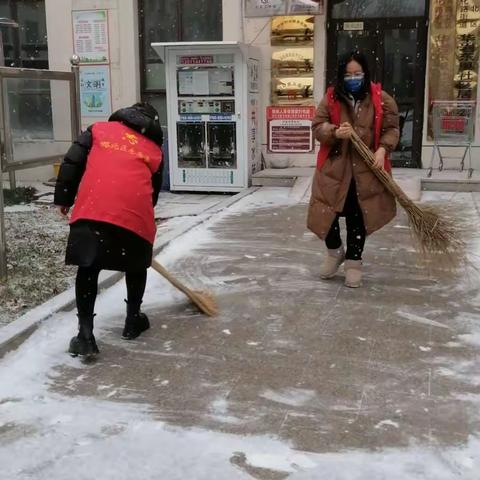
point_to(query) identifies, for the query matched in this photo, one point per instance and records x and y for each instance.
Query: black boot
(136, 321)
(84, 343)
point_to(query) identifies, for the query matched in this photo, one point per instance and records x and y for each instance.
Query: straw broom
(434, 234)
(203, 300)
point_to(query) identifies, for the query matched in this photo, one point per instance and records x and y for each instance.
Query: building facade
(421, 51)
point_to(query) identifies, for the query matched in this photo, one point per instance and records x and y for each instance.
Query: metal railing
(17, 152)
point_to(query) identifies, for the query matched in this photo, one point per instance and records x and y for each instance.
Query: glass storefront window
(453, 54)
(201, 20)
(175, 21)
(25, 46)
(354, 9)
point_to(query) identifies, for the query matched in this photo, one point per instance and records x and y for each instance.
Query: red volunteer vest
(117, 187)
(334, 109)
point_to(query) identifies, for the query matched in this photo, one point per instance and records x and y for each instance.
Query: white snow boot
(332, 262)
(353, 273)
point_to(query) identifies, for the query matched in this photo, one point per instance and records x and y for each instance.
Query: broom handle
(167, 275)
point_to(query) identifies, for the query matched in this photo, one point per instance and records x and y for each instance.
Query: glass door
(364, 41)
(396, 49)
(399, 72)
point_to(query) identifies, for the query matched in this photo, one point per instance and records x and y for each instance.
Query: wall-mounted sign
(290, 129)
(253, 75)
(264, 8)
(353, 26)
(95, 91)
(292, 90)
(292, 61)
(301, 7)
(269, 8)
(467, 50)
(292, 31)
(90, 36)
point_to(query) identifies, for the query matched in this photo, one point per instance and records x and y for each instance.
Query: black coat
(97, 244)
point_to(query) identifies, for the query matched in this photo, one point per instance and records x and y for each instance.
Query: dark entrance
(393, 33)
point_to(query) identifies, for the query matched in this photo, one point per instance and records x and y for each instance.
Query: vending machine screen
(191, 145)
(222, 145)
(206, 81)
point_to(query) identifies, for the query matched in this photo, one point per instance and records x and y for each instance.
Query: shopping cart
(453, 127)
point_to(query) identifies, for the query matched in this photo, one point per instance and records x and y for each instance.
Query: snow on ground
(36, 239)
(48, 436)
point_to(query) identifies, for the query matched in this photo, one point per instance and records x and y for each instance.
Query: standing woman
(343, 184)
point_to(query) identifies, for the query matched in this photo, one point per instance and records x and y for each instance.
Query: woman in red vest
(343, 184)
(113, 174)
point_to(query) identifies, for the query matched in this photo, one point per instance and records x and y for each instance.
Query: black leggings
(86, 288)
(355, 228)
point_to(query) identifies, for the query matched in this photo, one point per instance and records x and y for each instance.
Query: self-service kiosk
(213, 114)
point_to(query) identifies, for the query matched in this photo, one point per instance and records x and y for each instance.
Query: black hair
(147, 109)
(360, 58)
(143, 118)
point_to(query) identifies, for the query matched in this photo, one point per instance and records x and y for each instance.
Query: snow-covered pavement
(297, 378)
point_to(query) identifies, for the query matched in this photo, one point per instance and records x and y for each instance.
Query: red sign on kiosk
(290, 129)
(197, 60)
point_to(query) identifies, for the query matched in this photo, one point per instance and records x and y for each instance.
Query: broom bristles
(205, 301)
(433, 232)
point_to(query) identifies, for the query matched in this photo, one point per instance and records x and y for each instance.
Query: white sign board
(90, 36)
(353, 26)
(270, 8)
(305, 7)
(264, 8)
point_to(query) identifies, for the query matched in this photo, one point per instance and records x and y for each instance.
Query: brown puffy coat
(332, 181)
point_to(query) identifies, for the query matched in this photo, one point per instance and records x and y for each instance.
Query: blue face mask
(353, 84)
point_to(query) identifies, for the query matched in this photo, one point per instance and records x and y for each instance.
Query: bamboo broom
(203, 300)
(434, 234)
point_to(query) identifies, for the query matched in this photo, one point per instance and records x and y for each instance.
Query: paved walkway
(297, 378)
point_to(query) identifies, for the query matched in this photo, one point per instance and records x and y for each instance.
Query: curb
(16, 332)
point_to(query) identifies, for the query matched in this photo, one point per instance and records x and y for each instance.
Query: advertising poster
(290, 129)
(90, 36)
(95, 91)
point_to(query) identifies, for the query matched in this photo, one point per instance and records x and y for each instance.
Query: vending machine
(213, 114)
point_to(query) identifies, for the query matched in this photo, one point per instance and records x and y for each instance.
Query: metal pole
(3, 242)
(75, 98)
(12, 179)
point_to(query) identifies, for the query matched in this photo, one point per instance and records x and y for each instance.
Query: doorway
(397, 48)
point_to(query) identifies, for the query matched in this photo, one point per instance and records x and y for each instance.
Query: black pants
(355, 228)
(86, 288)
